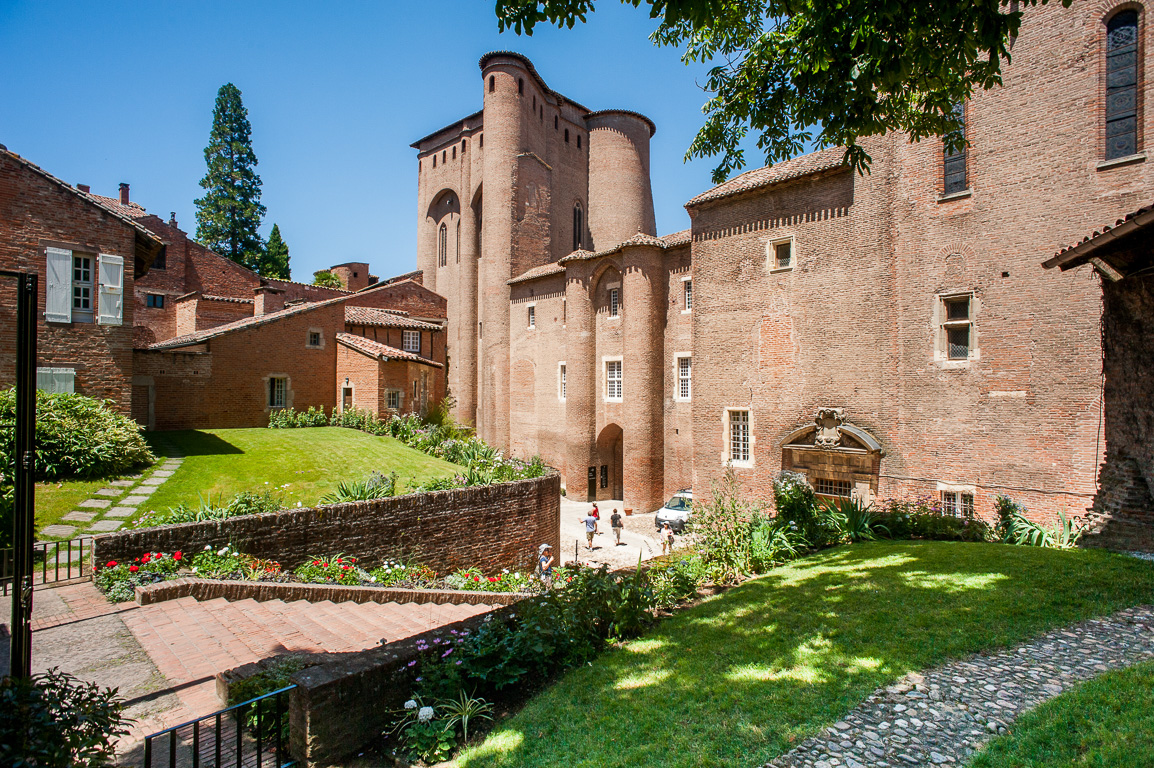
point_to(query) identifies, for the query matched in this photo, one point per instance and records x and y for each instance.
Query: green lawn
(744, 676)
(299, 464)
(1106, 722)
(54, 500)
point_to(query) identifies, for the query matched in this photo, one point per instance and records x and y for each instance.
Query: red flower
(137, 560)
(177, 555)
(111, 564)
(145, 559)
(493, 578)
(340, 560)
(316, 562)
(476, 578)
(134, 568)
(345, 567)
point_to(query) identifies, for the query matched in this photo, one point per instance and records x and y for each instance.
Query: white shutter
(111, 306)
(56, 380)
(58, 286)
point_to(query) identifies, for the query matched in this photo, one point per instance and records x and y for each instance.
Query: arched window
(578, 227)
(566, 135)
(492, 83)
(520, 87)
(954, 178)
(464, 145)
(442, 245)
(454, 151)
(1122, 85)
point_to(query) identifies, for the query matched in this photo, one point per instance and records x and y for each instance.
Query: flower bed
(118, 580)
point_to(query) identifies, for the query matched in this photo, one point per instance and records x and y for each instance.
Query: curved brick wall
(620, 196)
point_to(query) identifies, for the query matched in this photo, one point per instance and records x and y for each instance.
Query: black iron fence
(252, 734)
(52, 561)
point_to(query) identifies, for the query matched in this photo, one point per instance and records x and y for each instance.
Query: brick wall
(491, 527)
(36, 213)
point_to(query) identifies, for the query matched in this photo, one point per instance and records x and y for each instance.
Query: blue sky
(100, 93)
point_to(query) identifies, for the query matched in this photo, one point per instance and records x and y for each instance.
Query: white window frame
(271, 393)
(82, 314)
(771, 254)
(615, 302)
(942, 324)
(686, 295)
(683, 393)
(727, 453)
(532, 312)
(561, 382)
(957, 505)
(390, 396)
(407, 344)
(608, 365)
(56, 380)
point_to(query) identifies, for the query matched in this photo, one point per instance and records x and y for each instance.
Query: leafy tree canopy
(795, 72)
(327, 279)
(228, 215)
(275, 259)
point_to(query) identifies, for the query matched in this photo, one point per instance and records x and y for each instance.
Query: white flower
(223, 550)
(298, 503)
(425, 714)
(410, 704)
(194, 569)
(207, 547)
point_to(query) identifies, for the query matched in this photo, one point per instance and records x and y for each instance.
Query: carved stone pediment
(828, 421)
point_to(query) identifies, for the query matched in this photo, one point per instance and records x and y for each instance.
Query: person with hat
(545, 563)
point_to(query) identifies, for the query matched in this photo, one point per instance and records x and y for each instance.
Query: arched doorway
(607, 479)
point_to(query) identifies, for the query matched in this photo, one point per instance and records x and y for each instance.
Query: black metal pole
(20, 658)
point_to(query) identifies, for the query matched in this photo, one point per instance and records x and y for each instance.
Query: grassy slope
(220, 463)
(56, 499)
(1108, 721)
(744, 676)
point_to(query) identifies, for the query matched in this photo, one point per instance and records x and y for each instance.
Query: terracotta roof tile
(385, 318)
(229, 299)
(1057, 258)
(381, 351)
(542, 271)
(678, 238)
(826, 159)
(131, 210)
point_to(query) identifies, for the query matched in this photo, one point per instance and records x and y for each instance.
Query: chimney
(172, 219)
(268, 299)
(84, 188)
(124, 193)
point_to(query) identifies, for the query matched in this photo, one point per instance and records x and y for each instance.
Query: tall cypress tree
(275, 262)
(228, 215)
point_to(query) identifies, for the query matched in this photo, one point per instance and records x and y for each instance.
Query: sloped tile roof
(669, 241)
(542, 271)
(826, 159)
(382, 352)
(678, 238)
(229, 299)
(130, 210)
(385, 318)
(1092, 241)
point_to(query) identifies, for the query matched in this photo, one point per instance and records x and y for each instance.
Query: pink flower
(412, 663)
(446, 653)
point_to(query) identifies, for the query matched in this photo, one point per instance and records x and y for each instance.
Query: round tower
(620, 195)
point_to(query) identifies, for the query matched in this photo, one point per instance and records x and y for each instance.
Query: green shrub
(855, 521)
(396, 573)
(244, 503)
(337, 569)
(288, 418)
(923, 518)
(118, 580)
(376, 486)
(230, 563)
(53, 720)
(473, 580)
(796, 503)
(1015, 528)
(276, 674)
(675, 581)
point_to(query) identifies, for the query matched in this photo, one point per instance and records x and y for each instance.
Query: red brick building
(888, 335)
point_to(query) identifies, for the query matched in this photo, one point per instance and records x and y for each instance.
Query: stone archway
(610, 469)
(838, 458)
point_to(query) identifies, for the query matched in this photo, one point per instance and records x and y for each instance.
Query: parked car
(676, 511)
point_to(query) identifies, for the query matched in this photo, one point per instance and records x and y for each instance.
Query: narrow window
(458, 242)
(492, 83)
(566, 135)
(782, 254)
(688, 295)
(824, 486)
(434, 160)
(442, 245)
(1122, 85)
(684, 377)
(614, 303)
(532, 317)
(613, 379)
(534, 102)
(578, 226)
(454, 151)
(957, 325)
(394, 400)
(958, 503)
(277, 387)
(481, 141)
(554, 122)
(561, 391)
(314, 339)
(444, 156)
(411, 341)
(154, 300)
(481, 330)
(578, 141)
(954, 161)
(520, 87)
(739, 435)
(82, 309)
(464, 145)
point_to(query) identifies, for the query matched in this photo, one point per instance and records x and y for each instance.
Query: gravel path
(943, 715)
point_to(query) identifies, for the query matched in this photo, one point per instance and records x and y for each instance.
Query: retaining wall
(263, 591)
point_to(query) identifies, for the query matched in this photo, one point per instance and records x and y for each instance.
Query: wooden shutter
(58, 287)
(111, 301)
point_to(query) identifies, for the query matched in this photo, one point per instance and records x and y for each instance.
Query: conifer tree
(275, 260)
(228, 215)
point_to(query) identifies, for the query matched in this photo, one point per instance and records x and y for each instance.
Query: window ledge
(955, 196)
(686, 311)
(614, 400)
(776, 270)
(1119, 161)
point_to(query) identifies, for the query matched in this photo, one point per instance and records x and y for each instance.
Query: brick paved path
(943, 715)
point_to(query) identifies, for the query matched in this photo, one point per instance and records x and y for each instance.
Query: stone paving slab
(123, 483)
(143, 490)
(82, 517)
(105, 525)
(109, 492)
(135, 500)
(120, 512)
(152, 481)
(96, 503)
(58, 531)
(944, 714)
(163, 473)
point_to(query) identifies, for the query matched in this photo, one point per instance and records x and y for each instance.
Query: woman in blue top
(545, 562)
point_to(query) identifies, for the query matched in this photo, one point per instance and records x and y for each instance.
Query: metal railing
(49, 563)
(245, 735)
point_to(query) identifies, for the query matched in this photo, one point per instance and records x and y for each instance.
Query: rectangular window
(1122, 85)
(394, 400)
(277, 390)
(411, 341)
(561, 383)
(954, 162)
(739, 436)
(614, 303)
(958, 503)
(82, 309)
(532, 317)
(56, 380)
(154, 300)
(956, 327)
(783, 255)
(314, 339)
(613, 380)
(684, 377)
(823, 486)
(688, 295)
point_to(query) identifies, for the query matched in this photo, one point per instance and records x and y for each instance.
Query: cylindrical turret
(620, 196)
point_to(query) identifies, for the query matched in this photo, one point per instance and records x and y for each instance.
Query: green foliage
(229, 214)
(473, 580)
(276, 674)
(327, 279)
(431, 741)
(274, 261)
(854, 520)
(675, 580)
(228, 562)
(1022, 531)
(337, 569)
(923, 518)
(461, 710)
(118, 580)
(289, 418)
(375, 486)
(797, 505)
(244, 503)
(812, 72)
(53, 720)
(408, 575)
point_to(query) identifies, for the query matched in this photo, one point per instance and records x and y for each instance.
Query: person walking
(545, 563)
(590, 529)
(666, 539)
(615, 521)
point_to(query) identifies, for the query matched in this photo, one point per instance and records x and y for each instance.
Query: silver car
(676, 511)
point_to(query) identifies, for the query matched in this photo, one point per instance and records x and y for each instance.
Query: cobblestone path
(941, 716)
